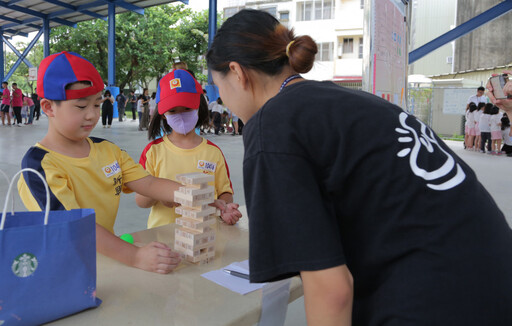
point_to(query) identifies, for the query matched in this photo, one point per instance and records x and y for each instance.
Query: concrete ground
(494, 172)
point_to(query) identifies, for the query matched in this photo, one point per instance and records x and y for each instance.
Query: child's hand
(170, 204)
(156, 257)
(228, 212)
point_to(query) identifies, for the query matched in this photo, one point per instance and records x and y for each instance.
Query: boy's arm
(156, 188)
(144, 202)
(328, 296)
(154, 257)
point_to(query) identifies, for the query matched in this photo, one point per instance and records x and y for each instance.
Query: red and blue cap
(178, 88)
(64, 68)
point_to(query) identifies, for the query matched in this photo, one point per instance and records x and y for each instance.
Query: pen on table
(237, 274)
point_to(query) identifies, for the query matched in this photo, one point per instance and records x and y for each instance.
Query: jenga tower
(195, 239)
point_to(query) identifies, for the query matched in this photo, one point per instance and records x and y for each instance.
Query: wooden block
(192, 213)
(194, 178)
(198, 198)
(194, 239)
(195, 243)
(184, 200)
(195, 191)
(194, 224)
(194, 234)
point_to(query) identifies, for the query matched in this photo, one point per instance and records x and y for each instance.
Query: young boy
(88, 172)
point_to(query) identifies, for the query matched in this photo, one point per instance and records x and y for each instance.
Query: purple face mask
(183, 122)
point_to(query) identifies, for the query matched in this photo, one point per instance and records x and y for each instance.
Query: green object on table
(127, 237)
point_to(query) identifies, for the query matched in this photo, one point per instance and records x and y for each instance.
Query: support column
(46, 40)
(2, 65)
(111, 44)
(212, 90)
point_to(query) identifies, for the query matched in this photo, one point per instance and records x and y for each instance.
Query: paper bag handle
(47, 208)
(7, 178)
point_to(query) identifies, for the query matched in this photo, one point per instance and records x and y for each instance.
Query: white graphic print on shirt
(427, 141)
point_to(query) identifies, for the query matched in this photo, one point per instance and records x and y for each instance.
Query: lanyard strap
(287, 80)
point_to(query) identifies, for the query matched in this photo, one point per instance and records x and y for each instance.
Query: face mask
(184, 122)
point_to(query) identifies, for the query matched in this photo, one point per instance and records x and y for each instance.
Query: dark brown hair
(159, 124)
(256, 40)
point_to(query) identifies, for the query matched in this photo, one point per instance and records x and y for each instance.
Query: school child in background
(140, 110)
(152, 105)
(88, 172)
(31, 108)
(470, 120)
(181, 108)
(485, 128)
(496, 130)
(24, 111)
(478, 114)
(506, 135)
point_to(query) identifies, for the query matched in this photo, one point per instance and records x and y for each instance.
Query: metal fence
(419, 103)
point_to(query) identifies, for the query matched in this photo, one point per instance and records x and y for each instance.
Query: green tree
(146, 46)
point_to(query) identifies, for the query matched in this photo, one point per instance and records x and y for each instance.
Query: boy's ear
(46, 106)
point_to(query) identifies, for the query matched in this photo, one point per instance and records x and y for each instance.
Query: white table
(136, 297)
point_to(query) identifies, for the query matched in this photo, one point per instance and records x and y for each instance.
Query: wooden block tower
(195, 239)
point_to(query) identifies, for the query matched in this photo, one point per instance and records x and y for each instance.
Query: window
(315, 10)
(362, 4)
(324, 52)
(284, 16)
(348, 45)
(270, 10)
(360, 56)
(228, 12)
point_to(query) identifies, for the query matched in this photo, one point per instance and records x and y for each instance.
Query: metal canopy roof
(20, 17)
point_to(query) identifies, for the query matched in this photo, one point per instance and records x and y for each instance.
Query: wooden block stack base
(195, 238)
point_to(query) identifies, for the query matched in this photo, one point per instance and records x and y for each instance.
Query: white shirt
(496, 122)
(140, 106)
(506, 136)
(152, 105)
(477, 99)
(485, 123)
(218, 108)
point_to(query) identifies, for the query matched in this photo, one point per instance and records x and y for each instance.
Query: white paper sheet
(274, 303)
(233, 283)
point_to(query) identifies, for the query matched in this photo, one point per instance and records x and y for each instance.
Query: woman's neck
(188, 141)
(270, 86)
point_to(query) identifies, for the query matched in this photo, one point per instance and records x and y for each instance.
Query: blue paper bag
(47, 265)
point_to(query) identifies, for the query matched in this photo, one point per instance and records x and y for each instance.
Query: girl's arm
(228, 210)
(111, 100)
(328, 296)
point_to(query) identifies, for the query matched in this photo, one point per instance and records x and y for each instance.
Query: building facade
(335, 25)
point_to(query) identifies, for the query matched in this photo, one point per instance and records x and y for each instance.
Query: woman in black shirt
(383, 222)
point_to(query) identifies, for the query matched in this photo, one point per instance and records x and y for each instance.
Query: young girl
(496, 130)
(485, 128)
(152, 105)
(478, 114)
(181, 107)
(471, 133)
(107, 109)
(140, 110)
(24, 110)
(507, 137)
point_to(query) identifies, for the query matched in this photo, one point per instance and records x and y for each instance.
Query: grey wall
(487, 46)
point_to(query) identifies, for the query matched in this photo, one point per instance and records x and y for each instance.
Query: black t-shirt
(107, 105)
(334, 176)
(121, 100)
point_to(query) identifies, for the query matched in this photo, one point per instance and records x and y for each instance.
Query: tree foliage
(146, 46)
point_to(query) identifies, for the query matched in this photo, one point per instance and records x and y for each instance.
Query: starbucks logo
(24, 265)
